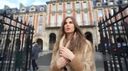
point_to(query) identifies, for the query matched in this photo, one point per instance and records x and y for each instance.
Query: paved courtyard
(45, 58)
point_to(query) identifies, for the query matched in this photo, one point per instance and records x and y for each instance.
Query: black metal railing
(114, 40)
(15, 44)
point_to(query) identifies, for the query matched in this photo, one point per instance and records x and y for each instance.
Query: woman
(72, 52)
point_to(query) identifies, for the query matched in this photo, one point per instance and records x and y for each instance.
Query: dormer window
(23, 10)
(98, 4)
(13, 11)
(32, 9)
(8, 11)
(41, 8)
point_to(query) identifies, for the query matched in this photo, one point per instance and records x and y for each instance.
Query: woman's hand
(61, 62)
(66, 53)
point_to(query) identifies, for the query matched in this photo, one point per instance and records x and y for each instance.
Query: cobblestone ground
(44, 61)
(43, 68)
(45, 58)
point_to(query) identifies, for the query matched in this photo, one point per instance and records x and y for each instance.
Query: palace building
(47, 19)
(58, 10)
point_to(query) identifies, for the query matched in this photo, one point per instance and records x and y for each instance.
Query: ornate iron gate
(114, 40)
(15, 44)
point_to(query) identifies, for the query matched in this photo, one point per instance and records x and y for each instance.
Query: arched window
(88, 35)
(40, 42)
(52, 40)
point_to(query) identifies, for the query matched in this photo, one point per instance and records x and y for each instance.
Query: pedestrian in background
(36, 48)
(72, 51)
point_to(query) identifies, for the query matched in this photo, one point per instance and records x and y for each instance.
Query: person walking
(36, 48)
(72, 51)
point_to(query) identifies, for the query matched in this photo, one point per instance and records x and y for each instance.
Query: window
(85, 7)
(39, 29)
(104, 1)
(69, 6)
(100, 14)
(78, 11)
(41, 8)
(40, 23)
(111, 11)
(40, 19)
(86, 19)
(59, 20)
(13, 11)
(30, 20)
(8, 11)
(85, 10)
(98, 4)
(53, 9)
(7, 20)
(78, 7)
(20, 18)
(60, 8)
(32, 9)
(69, 11)
(22, 9)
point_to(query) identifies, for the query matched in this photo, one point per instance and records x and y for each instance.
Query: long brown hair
(77, 42)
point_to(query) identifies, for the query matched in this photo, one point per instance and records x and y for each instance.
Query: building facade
(47, 18)
(102, 8)
(82, 10)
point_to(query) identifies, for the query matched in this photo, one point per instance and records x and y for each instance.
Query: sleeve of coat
(53, 66)
(87, 63)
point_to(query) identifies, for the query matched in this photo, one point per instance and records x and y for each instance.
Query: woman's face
(69, 26)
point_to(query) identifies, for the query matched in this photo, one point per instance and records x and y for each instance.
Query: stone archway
(52, 40)
(40, 42)
(88, 35)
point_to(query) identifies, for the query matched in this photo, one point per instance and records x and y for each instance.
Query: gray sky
(16, 3)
